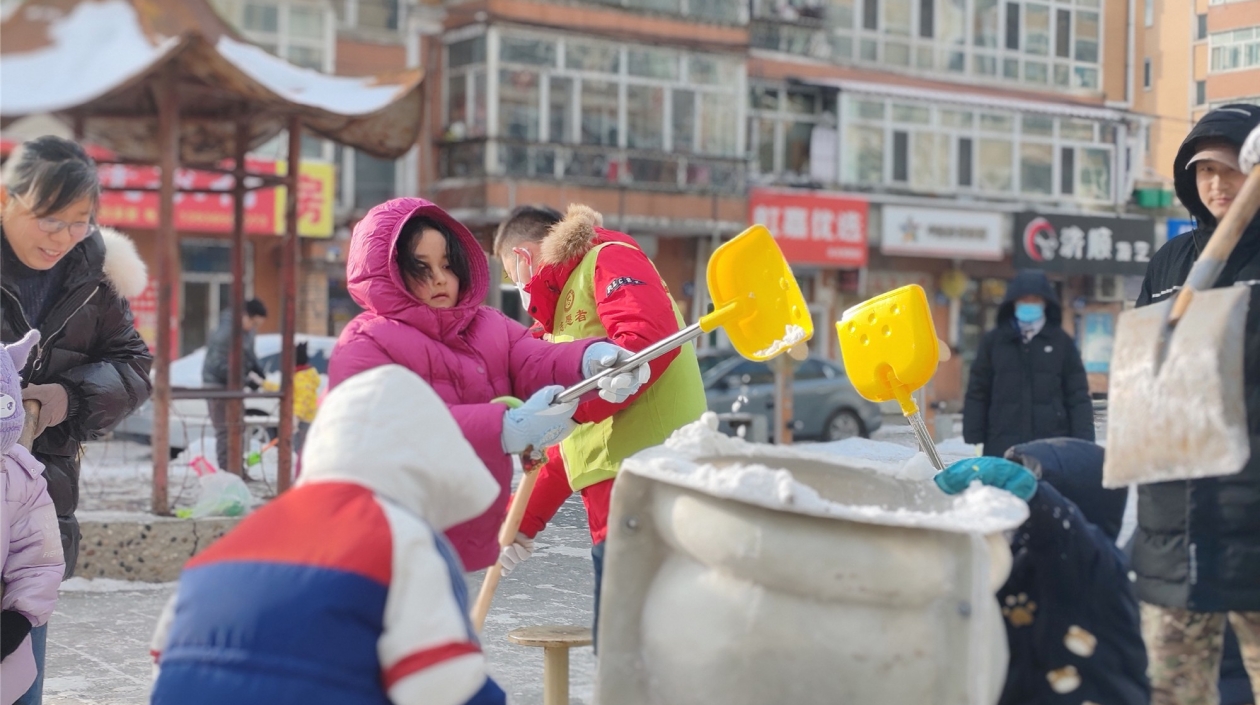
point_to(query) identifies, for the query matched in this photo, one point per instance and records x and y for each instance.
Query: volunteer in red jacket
(580, 280)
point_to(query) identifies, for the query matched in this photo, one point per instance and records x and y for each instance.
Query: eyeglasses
(52, 226)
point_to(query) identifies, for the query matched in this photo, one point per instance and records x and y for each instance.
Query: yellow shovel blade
(889, 345)
(755, 297)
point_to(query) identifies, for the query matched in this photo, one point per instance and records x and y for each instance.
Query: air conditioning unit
(1108, 287)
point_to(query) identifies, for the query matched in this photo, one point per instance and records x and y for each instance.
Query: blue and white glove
(621, 386)
(538, 424)
(994, 472)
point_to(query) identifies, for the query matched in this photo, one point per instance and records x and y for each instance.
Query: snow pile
(792, 334)
(698, 457)
(109, 585)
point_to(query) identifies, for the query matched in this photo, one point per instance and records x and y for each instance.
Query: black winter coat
(1069, 584)
(1198, 541)
(214, 370)
(1021, 392)
(90, 346)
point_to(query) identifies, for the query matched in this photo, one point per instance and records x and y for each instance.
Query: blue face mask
(1029, 313)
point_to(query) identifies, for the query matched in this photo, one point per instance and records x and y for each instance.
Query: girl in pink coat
(421, 277)
(30, 543)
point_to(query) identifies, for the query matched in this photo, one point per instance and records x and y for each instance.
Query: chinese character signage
(1073, 244)
(813, 228)
(924, 232)
(144, 317)
(212, 213)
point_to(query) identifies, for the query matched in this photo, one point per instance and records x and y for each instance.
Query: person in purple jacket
(30, 544)
(421, 277)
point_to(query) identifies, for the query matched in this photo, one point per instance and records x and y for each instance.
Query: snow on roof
(99, 58)
(96, 48)
(336, 94)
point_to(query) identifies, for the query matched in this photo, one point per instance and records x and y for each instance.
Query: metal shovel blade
(1182, 417)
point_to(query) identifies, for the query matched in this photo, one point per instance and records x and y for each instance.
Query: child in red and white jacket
(343, 589)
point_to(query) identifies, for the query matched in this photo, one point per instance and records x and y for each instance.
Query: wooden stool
(555, 640)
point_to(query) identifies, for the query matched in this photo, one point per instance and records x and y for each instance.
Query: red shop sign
(814, 228)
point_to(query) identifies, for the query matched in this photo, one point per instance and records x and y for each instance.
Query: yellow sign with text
(315, 199)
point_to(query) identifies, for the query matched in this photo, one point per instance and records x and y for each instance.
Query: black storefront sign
(1073, 244)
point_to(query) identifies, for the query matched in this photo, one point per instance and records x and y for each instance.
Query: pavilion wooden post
(167, 263)
(236, 407)
(288, 297)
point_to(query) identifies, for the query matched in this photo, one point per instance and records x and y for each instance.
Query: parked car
(827, 407)
(190, 418)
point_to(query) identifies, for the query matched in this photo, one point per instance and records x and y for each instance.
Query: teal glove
(994, 472)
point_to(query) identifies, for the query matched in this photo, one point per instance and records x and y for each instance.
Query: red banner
(814, 228)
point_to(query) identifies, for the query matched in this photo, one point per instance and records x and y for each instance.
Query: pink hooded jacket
(31, 563)
(470, 354)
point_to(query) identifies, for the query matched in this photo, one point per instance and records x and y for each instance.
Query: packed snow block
(143, 547)
(748, 574)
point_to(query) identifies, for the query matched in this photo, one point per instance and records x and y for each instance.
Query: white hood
(388, 430)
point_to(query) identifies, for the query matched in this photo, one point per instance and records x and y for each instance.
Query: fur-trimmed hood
(567, 243)
(573, 236)
(123, 268)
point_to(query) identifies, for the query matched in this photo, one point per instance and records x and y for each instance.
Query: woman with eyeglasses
(62, 275)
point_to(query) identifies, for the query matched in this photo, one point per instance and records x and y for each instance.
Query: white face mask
(523, 257)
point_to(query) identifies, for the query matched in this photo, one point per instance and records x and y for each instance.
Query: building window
(1146, 74)
(1067, 171)
(1235, 50)
(1052, 42)
(1203, 28)
(1200, 92)
(964, 161)
(901, 157)
(295, 31)
(379, 15)
(935, 149)
(1012, 26)
(783, 123)
(565, 106)
(1149, 13)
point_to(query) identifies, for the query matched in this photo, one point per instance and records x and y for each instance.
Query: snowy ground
(98, 641)
(99, 637)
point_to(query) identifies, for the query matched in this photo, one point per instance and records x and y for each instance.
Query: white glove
(1249, 156)
(512, 555)
(619, 387)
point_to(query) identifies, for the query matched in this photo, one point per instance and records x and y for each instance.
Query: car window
(318, 357)
(752, 373)
(810, 369)
(270, 363)
(708, 362)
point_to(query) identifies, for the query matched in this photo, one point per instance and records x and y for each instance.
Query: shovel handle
(646, 355)
(507, 535)
(1226, 236)
(29, 424)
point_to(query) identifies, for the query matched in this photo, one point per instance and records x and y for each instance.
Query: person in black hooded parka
(1197, 548)
(1028, 381)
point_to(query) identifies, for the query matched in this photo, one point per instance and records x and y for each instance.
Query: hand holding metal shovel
(756, 301)
(1176, 406)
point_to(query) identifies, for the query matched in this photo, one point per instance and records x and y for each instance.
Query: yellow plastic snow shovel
(1176, 408)
(756, 301)
(890, 350)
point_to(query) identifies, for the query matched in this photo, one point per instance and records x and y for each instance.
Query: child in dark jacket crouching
(1072, 621)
